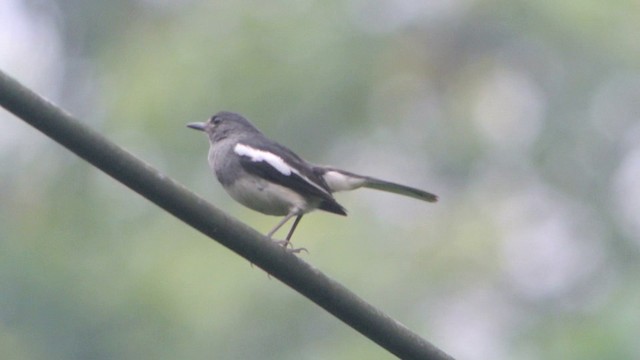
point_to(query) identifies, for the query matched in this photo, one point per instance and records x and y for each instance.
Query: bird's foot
(286, 244)
(297, 250)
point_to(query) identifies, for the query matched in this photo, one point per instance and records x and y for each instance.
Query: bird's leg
(293, 227)
(282, 222)
(287, 241)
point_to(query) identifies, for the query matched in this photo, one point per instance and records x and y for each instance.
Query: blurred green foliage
(522, 116)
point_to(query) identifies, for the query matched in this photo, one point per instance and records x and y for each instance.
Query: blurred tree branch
(193, 210)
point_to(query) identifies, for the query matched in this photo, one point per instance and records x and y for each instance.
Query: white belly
(266, 197)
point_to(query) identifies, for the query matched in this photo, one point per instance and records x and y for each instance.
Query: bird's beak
(196, 126)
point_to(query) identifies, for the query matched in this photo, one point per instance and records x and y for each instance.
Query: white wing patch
(257, 155)
(260, 155)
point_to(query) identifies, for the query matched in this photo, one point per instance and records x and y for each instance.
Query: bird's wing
(282, 166)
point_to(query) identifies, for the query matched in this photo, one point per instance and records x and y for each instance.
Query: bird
(268, 177)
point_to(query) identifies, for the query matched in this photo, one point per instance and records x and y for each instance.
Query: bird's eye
(216, 120)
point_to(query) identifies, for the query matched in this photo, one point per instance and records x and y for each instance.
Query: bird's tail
(340, 180)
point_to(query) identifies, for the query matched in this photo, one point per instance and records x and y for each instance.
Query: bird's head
(223, 125)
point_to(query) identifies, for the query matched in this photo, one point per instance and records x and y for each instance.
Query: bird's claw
(297, 250)
(286, 244)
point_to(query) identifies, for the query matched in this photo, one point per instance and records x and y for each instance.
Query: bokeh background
(522, 115)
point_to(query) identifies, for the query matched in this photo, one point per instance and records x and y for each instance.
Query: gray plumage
(268, 177)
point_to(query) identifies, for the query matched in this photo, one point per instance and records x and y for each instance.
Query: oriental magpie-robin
(268, 177)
